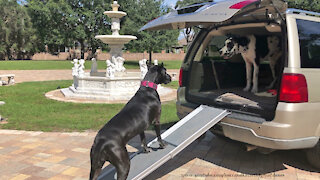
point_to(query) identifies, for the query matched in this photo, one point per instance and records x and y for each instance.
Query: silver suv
(284, 116)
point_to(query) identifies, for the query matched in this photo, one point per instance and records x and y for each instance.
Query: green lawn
(50, 65)
(172, 84)
(27, 109)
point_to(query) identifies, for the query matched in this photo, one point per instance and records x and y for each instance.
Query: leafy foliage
(61, 23)
(310, 5)
(140, 13)
(17, 36)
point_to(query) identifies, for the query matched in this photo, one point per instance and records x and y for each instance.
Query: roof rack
(302, 12)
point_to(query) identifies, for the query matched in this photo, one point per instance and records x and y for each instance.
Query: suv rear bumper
(248, 135)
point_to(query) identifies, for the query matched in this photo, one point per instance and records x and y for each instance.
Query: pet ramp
(178, 137)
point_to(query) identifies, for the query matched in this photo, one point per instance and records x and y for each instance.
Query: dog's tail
(97, 160)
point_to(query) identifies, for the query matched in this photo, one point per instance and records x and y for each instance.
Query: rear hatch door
(210, 13)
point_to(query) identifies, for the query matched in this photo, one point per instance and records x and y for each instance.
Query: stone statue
(155, 62)
(121, 60)
(81, 67)
(143, 67)
(118, 62)
(111, 69)
(75, 67)
(94, 66)
(115, 26)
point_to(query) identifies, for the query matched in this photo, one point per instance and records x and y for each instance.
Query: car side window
(209, 49)
(309, 37)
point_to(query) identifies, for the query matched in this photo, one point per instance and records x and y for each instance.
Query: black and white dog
(142, 110)
(254, 49)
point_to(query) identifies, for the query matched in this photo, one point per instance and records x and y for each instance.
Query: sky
(170, 3)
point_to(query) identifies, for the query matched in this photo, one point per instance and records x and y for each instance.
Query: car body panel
(211, 13)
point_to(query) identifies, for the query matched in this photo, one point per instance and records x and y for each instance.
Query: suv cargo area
(219, 82)
(281, 116)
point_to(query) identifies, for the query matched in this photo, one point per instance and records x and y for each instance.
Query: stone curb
(58, 96)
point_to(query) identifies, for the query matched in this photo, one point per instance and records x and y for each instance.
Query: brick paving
(39, 155)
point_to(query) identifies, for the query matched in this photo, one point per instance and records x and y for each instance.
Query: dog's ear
(161, 65)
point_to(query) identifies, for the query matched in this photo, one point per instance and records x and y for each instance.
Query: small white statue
(155, 62)
(81, 67)
(111, 69)
(121, 60)
(75, 67)
(94, 66)
(118, 62)
(143, 67)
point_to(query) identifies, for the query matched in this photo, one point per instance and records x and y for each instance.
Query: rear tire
(313, 156)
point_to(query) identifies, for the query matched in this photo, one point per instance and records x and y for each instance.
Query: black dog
(143, 109)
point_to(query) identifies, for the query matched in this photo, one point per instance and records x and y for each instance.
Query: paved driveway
(38, 155)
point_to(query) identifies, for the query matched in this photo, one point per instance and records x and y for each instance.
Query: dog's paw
(146, 149)
(254, 90)
(246, 89)
(162, 145)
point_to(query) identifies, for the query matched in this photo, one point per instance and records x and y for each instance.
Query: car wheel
(313, 156)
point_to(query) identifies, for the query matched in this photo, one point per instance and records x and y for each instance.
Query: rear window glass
(309, 37)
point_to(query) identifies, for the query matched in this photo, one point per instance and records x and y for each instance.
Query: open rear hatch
(210, 13)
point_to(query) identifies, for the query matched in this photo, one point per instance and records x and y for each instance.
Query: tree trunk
(150, 56)
(82, 49)
(8, 54)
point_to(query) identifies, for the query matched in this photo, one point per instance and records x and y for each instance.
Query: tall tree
(90, 21)
(16, 34)
(54, 23)
(310, 5)
(62, 22)
(139, 13)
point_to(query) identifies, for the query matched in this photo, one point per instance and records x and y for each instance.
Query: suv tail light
(180, 77)
(242, 4)
(293, 88)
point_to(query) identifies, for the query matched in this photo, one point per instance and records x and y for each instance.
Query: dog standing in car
(142, 110)
(254, 49)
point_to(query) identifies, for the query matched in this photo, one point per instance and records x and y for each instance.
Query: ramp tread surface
(177, 137)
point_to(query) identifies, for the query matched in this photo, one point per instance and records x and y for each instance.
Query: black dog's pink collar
(149, 84)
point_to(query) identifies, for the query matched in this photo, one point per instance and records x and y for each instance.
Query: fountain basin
(115, 39)
(99, 87)
(115, 14)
